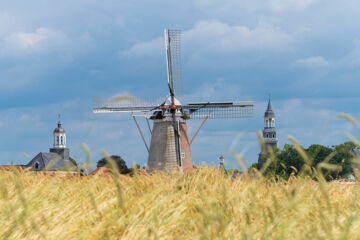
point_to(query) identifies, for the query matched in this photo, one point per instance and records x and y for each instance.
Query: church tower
(269, 132)
(59, 138)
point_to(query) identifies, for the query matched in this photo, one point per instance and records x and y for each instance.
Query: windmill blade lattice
(125, 104)
(219, 110)
(174, 60)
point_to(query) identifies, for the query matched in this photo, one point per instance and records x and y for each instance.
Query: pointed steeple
(269, 104)
(269, 112)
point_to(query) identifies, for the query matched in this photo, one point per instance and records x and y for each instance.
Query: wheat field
(206, 204)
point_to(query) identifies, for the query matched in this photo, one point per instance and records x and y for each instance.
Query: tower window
(62, 140)
(57, 140)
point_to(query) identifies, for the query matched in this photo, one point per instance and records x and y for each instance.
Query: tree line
(289, 160)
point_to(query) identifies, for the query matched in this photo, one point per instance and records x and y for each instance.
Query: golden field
(204, 205)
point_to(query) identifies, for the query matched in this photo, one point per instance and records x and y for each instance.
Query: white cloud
(312, 62)
(152, 47)
(283, 5)
(42, 40)
(219, 90)
(352, 59)
(215, 36)
(114, 135)
(254, 6)
(310, 121)
(349, 60)
(9, 23)
(218, 37)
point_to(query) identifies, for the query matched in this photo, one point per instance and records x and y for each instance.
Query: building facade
(58, 158)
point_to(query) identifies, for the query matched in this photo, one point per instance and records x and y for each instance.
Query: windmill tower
(170, 146)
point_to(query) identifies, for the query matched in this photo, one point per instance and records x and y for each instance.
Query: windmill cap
(168, 102)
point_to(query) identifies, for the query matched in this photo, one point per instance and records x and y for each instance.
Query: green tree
(121, 164)
(132, 170)
(318, 153)
(343, 157)
(288, 160)
(254, 165)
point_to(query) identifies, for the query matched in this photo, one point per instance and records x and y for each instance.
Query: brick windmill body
(170, 146)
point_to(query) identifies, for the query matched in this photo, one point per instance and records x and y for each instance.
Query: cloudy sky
(55, 56)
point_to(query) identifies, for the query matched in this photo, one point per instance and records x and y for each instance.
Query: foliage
(134, 168)
(73, 161)
(120, 163)
(206, 204)
(254, 166)
(289, 161)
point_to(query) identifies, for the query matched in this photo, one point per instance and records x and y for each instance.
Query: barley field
(206, 204)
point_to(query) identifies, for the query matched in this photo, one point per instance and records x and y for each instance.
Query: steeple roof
(269, 112)
(59, 129)
(269, 106)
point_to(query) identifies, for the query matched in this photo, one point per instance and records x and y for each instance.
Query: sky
(56, 56)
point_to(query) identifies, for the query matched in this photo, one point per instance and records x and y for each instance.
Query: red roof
(10, 167)
(101, 171)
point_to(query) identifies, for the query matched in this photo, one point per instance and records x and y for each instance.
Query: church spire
(269, 132)
(269, 104)
(59, 135)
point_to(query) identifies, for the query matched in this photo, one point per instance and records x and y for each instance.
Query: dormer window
(37, 166)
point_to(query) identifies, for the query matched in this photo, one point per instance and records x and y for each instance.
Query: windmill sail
(170, 146)
(124, 104)
(172, 45)
(212, 110)
(173, 60)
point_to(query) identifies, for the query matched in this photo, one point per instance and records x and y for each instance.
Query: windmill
(170, 146)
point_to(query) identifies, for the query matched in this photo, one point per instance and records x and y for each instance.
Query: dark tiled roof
(51, 161)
